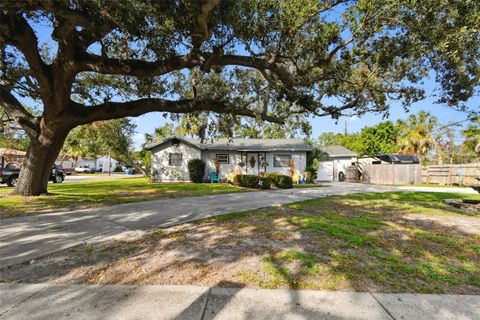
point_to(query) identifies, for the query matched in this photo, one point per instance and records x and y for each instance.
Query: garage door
(325, 171)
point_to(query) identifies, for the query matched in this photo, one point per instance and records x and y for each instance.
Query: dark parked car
(68, 171)
(9, 174)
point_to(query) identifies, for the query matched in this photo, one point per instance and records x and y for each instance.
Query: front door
(252, 163)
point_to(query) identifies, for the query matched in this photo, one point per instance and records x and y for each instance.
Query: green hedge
(280, 181)
(196, 170)
(252, 181)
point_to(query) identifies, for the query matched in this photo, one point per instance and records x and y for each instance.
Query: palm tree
(416, 134)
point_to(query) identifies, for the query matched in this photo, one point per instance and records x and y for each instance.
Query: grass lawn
(383, 242)
(102, 193)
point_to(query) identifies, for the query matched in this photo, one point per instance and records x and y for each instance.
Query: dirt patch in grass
(361, 242)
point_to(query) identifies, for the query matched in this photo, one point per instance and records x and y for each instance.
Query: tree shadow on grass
(334, 245)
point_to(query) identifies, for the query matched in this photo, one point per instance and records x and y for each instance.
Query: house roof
(242, 144)
(12, 152)
(337, 151)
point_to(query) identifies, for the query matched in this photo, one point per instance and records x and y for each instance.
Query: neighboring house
(11, 155)
(248, 156)
(103, 163)
(100, 164)
(90, 162)
(334, 167)
(66, 162)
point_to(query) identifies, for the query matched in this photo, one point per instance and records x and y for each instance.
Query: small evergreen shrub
(252, 181)
(280, 181)
(273, 175)
(311, 174)
(196, 170)
(284, 182)
(264, 183)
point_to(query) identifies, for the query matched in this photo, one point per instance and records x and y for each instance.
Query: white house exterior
(334, 168)
(103, 163)
(71, 163)
(170, 156)
(100, 164)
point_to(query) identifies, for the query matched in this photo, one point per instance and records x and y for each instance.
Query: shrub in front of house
(273, 175)
(311, 174)
(196, 170)
(264, 183)
(252, 181)
(284, 182)
(280, 180)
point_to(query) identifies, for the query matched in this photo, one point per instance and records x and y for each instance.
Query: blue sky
(147, 123)
(445, 114)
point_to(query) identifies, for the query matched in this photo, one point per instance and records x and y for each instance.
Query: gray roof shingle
(244, 144)
(337, 151)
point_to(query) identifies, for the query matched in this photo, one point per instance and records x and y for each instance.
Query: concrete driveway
(26, 238)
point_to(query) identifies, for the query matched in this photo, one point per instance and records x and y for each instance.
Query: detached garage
(334, 168)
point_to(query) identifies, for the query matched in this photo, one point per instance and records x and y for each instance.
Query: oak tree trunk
(37, 166)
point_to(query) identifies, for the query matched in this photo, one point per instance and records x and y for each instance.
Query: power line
(451, 124)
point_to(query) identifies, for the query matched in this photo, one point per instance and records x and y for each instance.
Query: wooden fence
(459, 174)
(392, 173)
(462, 174)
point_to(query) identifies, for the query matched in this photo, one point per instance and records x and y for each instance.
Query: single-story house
(66, 162)
(247, 156)
(100, 164)
(103, 163)
(70, 162)
(11, 155)
(334, 167)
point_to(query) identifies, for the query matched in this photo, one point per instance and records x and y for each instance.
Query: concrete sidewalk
(26, 238)
(43, 301)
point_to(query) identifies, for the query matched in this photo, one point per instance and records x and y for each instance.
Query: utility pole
(346, 128)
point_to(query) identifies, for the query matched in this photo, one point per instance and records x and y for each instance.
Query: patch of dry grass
(362, 242)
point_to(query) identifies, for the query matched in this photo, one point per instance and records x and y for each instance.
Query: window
(223, 158)
(282, 160)
(175, 159)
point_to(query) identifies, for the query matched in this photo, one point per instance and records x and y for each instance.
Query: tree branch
(15, 110)
(202, 32)
(257, 63)
(23, 37)
(93, 29)
(135, 67)
(81, 114)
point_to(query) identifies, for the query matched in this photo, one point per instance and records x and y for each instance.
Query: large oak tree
(269, 60)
